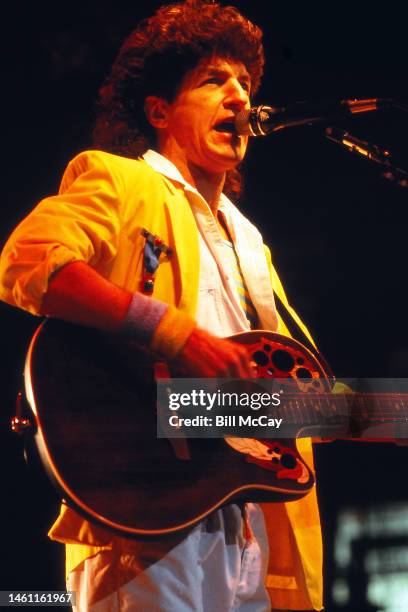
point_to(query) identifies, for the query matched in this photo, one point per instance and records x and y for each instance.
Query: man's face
(200, 122)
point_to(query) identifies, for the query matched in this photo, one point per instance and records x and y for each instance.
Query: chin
(225, 154)
(223, 167)
(233, 162)
(230, 160)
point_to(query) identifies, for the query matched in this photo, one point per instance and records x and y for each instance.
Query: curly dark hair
(154, 60)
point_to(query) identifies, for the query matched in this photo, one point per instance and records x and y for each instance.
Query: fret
(317, 409)
(298, 412)
(333, 406)
(289, 410)
(312, 405)
(304, 408)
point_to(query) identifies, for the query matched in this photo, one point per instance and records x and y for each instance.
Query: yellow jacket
(103, 203)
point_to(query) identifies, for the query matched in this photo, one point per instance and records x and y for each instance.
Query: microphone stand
(393, 173)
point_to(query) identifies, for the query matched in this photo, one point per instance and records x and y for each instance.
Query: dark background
(336, 228)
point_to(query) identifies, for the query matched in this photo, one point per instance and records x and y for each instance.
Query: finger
(244, 364)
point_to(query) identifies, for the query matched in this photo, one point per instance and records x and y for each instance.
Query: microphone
(262, 120)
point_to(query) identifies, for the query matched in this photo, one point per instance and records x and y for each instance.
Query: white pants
(219, 567)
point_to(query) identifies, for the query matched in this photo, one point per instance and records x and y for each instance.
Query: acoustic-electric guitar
(93, 418)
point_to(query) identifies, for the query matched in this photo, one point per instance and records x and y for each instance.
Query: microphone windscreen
(242, 124)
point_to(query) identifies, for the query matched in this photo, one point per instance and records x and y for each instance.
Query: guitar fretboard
(350, 410)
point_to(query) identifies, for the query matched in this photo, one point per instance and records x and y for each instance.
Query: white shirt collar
(164, 166)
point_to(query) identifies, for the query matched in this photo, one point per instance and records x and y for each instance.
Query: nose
(237, 96)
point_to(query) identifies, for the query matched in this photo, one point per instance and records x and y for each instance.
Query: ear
(156, 110)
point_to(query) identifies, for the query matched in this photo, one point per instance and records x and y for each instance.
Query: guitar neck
(351, 412)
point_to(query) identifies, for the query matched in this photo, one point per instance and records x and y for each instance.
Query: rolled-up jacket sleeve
(81, 223)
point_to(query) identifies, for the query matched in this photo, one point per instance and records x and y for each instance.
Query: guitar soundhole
(260, 358)
(288, 461)
(303, 373)
(283, 360)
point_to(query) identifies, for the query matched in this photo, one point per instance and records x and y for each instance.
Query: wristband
(172, 333)
(159, 326)
(142, 318)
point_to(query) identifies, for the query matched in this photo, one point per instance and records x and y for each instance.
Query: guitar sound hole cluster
(281, 363)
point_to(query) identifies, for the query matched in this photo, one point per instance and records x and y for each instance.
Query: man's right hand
(207, 356)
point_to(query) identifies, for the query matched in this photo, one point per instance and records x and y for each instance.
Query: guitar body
(94, 414)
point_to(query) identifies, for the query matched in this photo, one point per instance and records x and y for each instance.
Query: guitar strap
(298, 334)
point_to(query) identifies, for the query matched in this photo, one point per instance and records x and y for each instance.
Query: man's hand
(207, 356)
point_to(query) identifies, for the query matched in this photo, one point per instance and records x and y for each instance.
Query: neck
(208, 184)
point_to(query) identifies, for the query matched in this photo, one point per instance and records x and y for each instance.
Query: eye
(212, 80)
(245, 86)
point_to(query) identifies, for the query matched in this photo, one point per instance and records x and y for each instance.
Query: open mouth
(228, 126)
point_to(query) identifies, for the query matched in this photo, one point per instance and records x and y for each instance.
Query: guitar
(93, 418)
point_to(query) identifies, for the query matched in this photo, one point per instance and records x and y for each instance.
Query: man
(83, 255)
